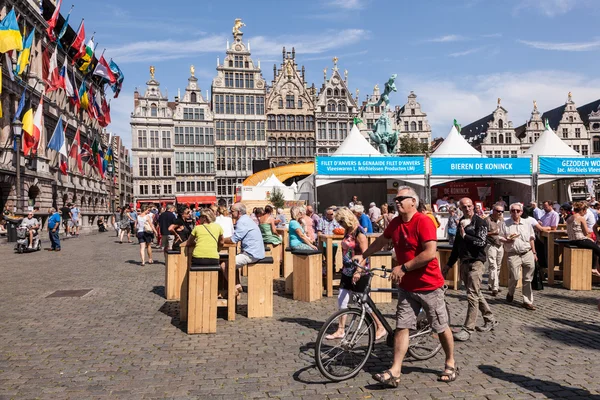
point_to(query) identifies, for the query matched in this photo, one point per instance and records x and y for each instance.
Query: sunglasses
(517, 211)
(498, 211)
(400, 199)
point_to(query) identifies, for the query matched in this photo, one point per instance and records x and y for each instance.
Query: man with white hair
(419, 280)
(519, 244)
(247, 232)
(374, 215)
(363, 219)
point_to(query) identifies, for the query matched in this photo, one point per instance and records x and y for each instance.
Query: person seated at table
(578, 234)
(225, 221)
(266, 224)
(353, 280)
(101, 224)
(281, 218)
(182, 227)
(363, 219)
(206, 239)
(298, 238)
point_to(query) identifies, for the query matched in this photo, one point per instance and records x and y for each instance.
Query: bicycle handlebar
(371, 270)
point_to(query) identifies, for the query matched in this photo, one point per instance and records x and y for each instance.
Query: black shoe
(509, 298)
(494, 293)
(488, 326)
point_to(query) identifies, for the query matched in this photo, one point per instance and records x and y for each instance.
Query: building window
(513, 154)
(333, 131)
(500, 124)
(239, 61)
(220, 125)
(240, 131)
(501, 138)
(230, 131)
(153, 110)
(310, 123)
(290, 101)
(413, 126)
(584, 150)
(271, 124)
(300, 122)
(239, 105)
(155, 189)
(249, 80)
(342, 107)
(154, 142)
(505, 153)
(193, 98)
(143, 189)
(167, 189)
(331, 106)
(576, 147)
(249, 105)
(301, 147)
(228, 79)
(571, 119)
(190, 186)
(154, 166)
(260, 131)
(596, 144)
(299, 103)
(291, 147)
(142, 139)
(310, 147)
(280, 122)
(179, 163)
(229, 104)
(322, 131)
(578, 133)
(291, 123)
(143, 166)
(412, 111)
(489, 153)
(343, 130)
(497, 153)
(420, 125)
(508, 138)
(239, 80)
(536, 135)
(565, 133)
(281, 147)
(272, 147)
(166, 139)
(167, 166)
(260, 105)
(219, 104)
(493, 138)
(406, 126)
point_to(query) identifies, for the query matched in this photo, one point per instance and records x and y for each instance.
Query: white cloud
(581, 46)
(492, 35)
(469, 98)
(466, 52)
(161, 50)
(549, 8)
(447, 38)
(347, 4)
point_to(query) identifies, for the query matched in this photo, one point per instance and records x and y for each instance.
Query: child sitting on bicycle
(353, 279)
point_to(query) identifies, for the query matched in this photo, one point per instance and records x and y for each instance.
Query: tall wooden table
(286, 256)
(231, 272)
(550, 237)
(444, 250)
(328, 240)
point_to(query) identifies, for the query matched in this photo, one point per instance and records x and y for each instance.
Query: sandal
(451, 375)
(150, 261)
(391, 381)
(333, 336)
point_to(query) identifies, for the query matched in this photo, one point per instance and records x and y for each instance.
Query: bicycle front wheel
(424, 342)
(341, 359)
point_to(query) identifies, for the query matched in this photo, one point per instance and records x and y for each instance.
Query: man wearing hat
(374, 215)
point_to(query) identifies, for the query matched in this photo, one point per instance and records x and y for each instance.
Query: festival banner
(569, 166)
(474, 166)
(366, 166)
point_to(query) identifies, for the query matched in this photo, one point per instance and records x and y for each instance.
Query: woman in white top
(225, 221)
(145, 233)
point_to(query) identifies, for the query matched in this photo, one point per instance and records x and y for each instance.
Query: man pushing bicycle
(420, 282)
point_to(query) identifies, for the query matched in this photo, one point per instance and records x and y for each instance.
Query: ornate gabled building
(194, 146)
(532, 130)
(412, 121)
(335, 110)
(238, 101)
(290, 114)
(152, 132)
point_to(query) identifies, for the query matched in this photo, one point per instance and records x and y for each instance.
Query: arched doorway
(32, 194)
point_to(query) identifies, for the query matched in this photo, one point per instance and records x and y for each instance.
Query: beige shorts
(410, 304)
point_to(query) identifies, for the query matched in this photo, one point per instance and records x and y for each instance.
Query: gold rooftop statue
(152, 72)
(237, 25)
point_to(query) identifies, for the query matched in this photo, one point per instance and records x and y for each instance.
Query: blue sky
(458, 56)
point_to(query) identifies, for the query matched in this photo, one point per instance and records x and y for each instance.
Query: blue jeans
(54, 239)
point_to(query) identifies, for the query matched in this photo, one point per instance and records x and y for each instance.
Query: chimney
(274, 72)
(283, 54)
(136, 97)
(303, 71)
(293, 53)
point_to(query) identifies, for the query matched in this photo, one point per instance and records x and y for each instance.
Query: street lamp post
(17, 127)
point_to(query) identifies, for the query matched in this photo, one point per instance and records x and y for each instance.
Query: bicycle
(341, 359)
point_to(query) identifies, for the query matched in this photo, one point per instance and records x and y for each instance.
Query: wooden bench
(275, 252)
(577, 274)
(176, 264)
(202, 298)
(443, 253)
(260, 288)
(378, 260)
(308, 275)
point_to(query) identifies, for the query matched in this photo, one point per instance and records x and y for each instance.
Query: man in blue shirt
(363, 219)
(53, 228)
(246, 231)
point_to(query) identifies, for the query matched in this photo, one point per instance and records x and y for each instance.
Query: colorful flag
(38, 125)
(97, 159)
(116, 88)
(86, 154)
(57, 141)
(103, 70)
(52, 22)
(75, 152)
(27, 120)
(78, 43)
(63, 30)
(54, 79)
(106, 111)
(23, 59)
(84, 101)
(67, 84)
(110, 162)
(74, 98)
(87, 56)
(32, 125)
(10, 35)
(20, 106)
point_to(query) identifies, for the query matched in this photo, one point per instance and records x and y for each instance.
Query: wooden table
(551, 250)
(328, 240)
(371, 237)
(286, 256)
(444, 250)
(231, 272)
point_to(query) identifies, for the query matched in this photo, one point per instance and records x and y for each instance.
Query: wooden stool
(202, 298)
(288, 270)
(378, 260)
(275, 252)
(443, 254)
(260, 288)
(504, 274)
(308, 275)
(176, 264)
(577, 274)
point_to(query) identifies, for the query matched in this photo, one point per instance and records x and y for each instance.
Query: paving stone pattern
(124, 340)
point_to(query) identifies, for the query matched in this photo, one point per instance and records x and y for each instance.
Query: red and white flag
(54, 79)
(52, 22)
(38, 124)
(103, 70)
(75, 151)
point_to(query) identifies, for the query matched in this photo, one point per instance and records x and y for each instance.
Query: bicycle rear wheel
(340, 359)
(424, 342)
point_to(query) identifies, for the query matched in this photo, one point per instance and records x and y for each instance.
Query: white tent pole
(315, 189)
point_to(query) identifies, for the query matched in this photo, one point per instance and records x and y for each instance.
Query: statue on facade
(390, 86)
(236, 27)
(152, 72)
(289, 69)
(192, 70)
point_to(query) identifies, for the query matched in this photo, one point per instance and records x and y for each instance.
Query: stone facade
(238, 101)
(500, 140)
(572, 130)
(194, 146)
(42, 184)
(290, 114)
(335, 110)
(152, 134)
(123, 193)
(412, 121)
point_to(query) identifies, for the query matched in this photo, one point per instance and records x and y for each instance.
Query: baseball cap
(566, 207)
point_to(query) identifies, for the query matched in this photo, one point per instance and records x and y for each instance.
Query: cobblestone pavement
(123, 340)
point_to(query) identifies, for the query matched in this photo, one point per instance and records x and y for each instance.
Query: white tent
(455, 146)
(355, 144)
(271, 181)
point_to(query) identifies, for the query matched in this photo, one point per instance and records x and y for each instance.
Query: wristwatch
(403, 268)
